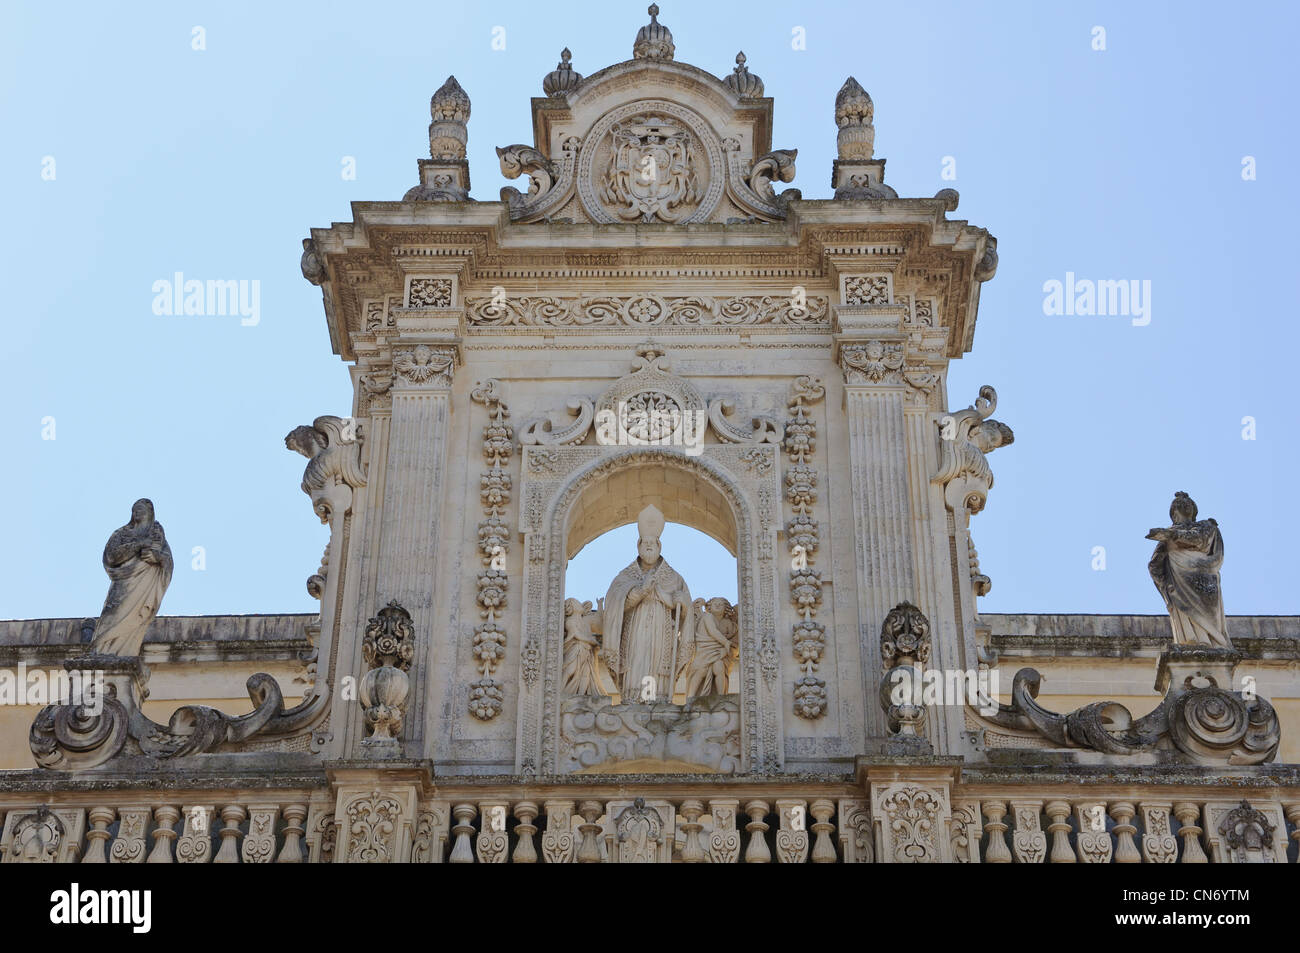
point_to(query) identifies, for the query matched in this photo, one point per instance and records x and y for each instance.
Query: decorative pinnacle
(742, 81)
(563, 78)
(653, 41)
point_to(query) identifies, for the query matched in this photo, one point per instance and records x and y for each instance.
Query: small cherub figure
(581, 673)
(707, 672)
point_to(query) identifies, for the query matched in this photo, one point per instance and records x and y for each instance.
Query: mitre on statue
(650, 522)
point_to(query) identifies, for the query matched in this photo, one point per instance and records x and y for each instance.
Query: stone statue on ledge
(1185, 568)
(139, 563)
(649, 623)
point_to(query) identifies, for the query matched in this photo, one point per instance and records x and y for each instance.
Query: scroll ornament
(92, 727)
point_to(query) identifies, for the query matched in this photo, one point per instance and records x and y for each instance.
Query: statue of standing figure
(139, 563)
(648, 623)
(1185, 569)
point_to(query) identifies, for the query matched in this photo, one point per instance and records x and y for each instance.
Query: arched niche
(571, 495)
(617, 499)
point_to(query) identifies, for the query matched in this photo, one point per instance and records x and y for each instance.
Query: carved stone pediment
(650, 140)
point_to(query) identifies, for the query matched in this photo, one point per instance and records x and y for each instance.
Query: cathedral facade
(654, 327)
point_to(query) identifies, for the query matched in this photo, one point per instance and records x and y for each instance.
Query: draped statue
(648, 622)
(1185, 569)
(139, 563)
(581, 669)
(708, 669)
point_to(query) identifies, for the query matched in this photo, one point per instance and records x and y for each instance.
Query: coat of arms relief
(650, 173)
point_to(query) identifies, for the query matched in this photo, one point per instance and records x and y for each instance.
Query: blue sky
(1123, 163)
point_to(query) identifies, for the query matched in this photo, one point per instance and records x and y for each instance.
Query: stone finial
(388, 649)
(904, 650)
(854, 111)
(563, 78)
(450, 110)
(654, 41)
(744, 83)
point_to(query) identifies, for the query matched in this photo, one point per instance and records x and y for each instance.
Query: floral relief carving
(809, 641)
(645, 310)
(429, 293)
(866, 289)
(486, 697)
(372, 822)
(912, 820)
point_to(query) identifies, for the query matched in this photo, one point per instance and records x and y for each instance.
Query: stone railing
(759, 821)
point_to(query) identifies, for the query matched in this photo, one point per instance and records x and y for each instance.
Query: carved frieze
(645, 310)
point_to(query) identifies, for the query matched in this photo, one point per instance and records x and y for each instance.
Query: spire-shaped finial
(450, 110)
(742, 81)
(563, 78)
(653, 41)
(854, 111)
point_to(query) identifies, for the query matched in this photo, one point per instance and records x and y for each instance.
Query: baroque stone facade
(657, 329)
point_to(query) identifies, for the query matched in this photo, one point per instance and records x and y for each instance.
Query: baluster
(1126, 851)
(1293, 815)
(997, 852)
(525, 850)
(1189, 814)
(97, 837)
(792, 836)
(558, 840)
(1093, 840)
(692, 849)
(259, 845)
(461, 852)
(129, 847)
(823, 851)
(195, 843)
(1059, 811)
(291, 852)
(1159, 846)
(589, 849)
(724, 841)
(757, 851)
(232, 815)
(164, 834)
(493, 840)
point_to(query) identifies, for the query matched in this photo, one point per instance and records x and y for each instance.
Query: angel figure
(715, 644)
(581, 672)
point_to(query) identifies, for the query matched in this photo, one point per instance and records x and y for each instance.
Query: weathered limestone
(654, 330)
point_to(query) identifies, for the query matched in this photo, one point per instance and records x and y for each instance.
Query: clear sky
(1121, 164)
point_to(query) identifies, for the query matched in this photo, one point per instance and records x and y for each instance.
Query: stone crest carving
(650, 161)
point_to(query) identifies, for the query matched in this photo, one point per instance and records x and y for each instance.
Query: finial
(854, 111)
(742, 81)
(654, 41)
(563, 78)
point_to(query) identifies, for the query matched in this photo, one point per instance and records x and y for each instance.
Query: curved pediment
(649, 140)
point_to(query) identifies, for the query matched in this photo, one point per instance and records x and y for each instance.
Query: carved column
(869, 348)
(414, 497)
